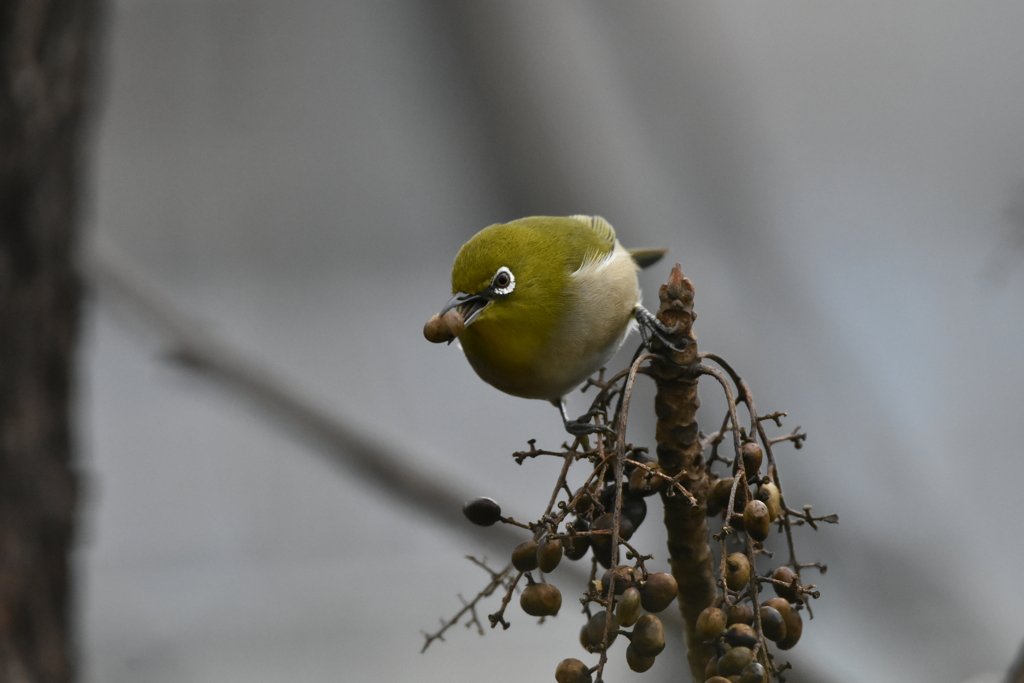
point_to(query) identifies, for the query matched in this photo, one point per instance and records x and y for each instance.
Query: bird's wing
(605, 233)
(603, 230)
(603, 244)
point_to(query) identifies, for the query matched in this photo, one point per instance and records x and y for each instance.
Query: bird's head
(507, 281)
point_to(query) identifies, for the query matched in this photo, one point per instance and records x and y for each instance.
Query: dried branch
(497, 579)
(679, 450)
(499, 616)
(805, 516)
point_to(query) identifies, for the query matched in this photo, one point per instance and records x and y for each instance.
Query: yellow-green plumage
(575, 290)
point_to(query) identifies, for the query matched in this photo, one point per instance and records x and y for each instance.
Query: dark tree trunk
(46, 53)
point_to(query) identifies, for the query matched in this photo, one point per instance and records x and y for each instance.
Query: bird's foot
(582, 426)
(650, 327)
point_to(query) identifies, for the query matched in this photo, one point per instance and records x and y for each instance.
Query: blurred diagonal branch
(355, 449)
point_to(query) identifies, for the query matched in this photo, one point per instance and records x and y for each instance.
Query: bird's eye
(504, 282)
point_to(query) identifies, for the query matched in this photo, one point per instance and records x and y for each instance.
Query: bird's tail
(647, 257)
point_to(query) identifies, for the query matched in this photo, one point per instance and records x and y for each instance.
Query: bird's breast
(547, 361)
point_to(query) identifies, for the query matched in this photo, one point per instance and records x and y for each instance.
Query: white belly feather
(605, 293)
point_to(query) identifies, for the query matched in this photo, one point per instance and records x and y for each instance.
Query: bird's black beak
(469, 305)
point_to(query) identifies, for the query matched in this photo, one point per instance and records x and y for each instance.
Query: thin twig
(497, 579)
(707, 370)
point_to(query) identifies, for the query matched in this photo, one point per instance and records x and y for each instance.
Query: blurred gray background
(843, 182)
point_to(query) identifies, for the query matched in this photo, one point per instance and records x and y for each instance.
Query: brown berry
(524, 556)
(633, 506)
(710, 623)
(742, 496)
(659, 591)
(643, 483)
(794, 629)
(635, 509)
(648, 637)
(435, 331)
(482, 511)
(572, 671)
(602, 543)
(602, 553)
(753, 673)
(740, 613)
(456, 323)
(755, 520)
(585, 639)
(586, 502)
(636, 662)
(718, 679)
(541, 600)
(781, 605)
(770, 496)
(444, 328)
(732, 662)
(737, 571)
(786, 575)
(624, 576)
(549, 554)
(595, 630)
(752, 456)
(711, 669)
(772, 623)
(627, 610)
(719, 496)
(575, 547)
(741, 635)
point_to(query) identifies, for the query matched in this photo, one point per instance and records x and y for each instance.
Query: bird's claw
(650, 323)
(582, 426)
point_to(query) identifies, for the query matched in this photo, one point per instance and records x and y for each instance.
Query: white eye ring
(507, 289)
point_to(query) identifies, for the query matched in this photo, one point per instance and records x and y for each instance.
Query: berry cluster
(604, 517)
(740, 623)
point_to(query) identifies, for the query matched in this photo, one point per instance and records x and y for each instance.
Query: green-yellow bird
(541, 303)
